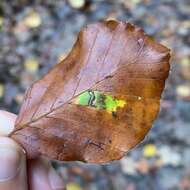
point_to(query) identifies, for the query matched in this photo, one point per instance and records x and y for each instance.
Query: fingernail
(56, 181)
(11, 156)
(7, 121)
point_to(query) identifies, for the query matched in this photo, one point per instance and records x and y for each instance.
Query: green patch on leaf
(99, 100)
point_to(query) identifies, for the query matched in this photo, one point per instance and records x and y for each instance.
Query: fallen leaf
(149, 150)
(100, 101)
(1, 21)
(73, 186)
(2, 89)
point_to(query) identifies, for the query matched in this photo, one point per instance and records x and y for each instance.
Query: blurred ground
(36, 35)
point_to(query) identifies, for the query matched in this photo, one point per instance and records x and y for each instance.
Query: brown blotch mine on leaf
(114, 58)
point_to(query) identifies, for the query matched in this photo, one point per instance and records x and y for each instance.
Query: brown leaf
(100, 101)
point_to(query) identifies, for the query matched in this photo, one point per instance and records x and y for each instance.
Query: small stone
(1, 21)
(169, 156)
(159, 163)
(185, 183)
(130, 186)
(76, 170)
(185, 67)
(131, 4)
(185, 61)
(186, 24)
(33, 20)
(31, 65)
(183, 91)
(182, 31)
(186, 157)
(168, 178)
(2, 89)
(175, 159)
(19, 98)
(73, 186)
(164, 153)
(182, 129)
(63, 172)
(22, 33)
(142, 166)
(128, 166)
(76, 4)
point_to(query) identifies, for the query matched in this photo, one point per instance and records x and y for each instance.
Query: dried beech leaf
(100, 101)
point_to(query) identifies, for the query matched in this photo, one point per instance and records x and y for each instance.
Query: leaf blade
(114, 58)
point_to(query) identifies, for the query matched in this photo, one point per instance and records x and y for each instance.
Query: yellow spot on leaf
(149, 150)
(99, 100)
(112, 104)
(121, 103)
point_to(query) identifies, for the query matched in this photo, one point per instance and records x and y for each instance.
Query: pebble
(1, 90)
(142, 166)
(19, 98)
(128, 165)
(168, 178)
(186, 157)
(33, 20)
(182, 130)
(73, 186)
(1, 21)
(169, 156)
(31, 65)
(185, 67)
(76, 4)
(131, 5)
(183, 91)
(185, 183)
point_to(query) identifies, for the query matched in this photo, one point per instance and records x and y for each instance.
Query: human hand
(18, 173)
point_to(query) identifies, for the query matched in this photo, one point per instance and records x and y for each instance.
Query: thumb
(12, 157)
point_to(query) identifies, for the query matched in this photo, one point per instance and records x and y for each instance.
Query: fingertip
(13, 165)
(7, 122)
(55, 180)
(9, 143)
(44, 176)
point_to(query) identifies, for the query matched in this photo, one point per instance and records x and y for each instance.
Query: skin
(16, 171)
